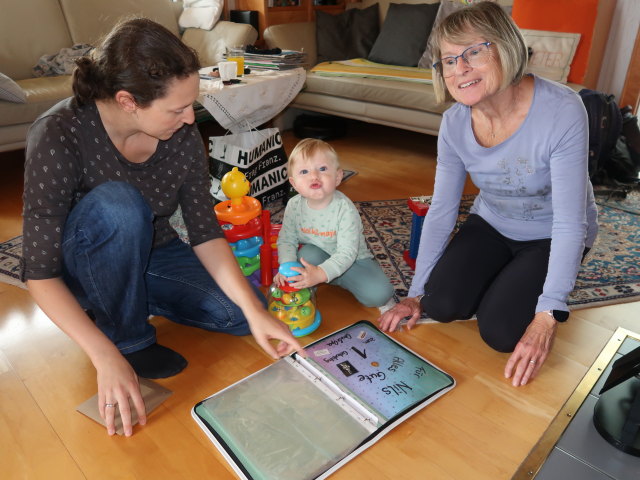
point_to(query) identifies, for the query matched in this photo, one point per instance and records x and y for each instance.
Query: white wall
(624, 29)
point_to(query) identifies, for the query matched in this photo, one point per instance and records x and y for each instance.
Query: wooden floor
(482, 429)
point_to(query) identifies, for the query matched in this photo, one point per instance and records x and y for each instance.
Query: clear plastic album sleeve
(301, 419)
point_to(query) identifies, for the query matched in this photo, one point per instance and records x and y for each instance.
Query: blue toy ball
(286, 269)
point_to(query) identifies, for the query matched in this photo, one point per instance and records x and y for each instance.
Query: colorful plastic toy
(248, 265)
(419, 209)
(266, 251)
(269, 249)
(233, 233)
(247, 247)
(240, 209)
(295, 307)
(248, 229)
(241, 222)
(235, 185)
(247, 252)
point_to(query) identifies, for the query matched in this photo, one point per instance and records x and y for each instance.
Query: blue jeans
(110, 265)
(364, 279)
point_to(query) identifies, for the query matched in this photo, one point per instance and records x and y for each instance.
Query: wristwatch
(557, 315)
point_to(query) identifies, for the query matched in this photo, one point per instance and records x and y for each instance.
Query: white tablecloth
(259, 98)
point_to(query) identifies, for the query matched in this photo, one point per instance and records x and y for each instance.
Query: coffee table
(259, 97)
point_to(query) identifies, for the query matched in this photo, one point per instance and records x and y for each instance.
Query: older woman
(524, 142)
(104, 171)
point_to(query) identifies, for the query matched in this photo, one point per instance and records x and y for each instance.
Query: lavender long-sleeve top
(534, 185)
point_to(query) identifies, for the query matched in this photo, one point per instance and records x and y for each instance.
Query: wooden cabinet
(274, 12)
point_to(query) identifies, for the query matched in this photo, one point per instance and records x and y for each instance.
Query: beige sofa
(30, 29)
(410, 106)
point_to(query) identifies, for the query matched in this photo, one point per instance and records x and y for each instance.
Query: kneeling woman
(104, 171)
(524, 142)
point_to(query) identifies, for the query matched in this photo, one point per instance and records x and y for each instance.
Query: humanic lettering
(247, 158)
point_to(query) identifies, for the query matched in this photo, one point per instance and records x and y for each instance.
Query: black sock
(156, 361)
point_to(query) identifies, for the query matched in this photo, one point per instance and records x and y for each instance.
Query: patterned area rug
(610, 275)
(622, 198)
(11, 251)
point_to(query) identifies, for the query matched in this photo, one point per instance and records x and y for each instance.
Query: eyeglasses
(474, 56)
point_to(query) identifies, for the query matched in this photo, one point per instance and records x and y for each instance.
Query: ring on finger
(532, 362)
(110, 405)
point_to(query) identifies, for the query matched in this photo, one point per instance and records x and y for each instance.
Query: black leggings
(486, 273)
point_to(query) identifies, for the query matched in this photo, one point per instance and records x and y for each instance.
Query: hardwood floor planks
(482, 429)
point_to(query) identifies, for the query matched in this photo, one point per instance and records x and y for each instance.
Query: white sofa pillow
(202, 14)
(552, 53)
(11, 91)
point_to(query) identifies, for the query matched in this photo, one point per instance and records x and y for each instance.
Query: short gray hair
(488, 20)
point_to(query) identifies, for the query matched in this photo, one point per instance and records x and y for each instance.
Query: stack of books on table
(286, 60)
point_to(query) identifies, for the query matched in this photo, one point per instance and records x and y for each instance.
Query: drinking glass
(236, 54)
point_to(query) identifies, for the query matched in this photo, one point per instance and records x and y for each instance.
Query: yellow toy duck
(241, 208)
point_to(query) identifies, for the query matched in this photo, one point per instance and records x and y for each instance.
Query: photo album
(303, 418)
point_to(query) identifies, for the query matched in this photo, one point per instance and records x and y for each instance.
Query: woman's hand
(409, 307)
(264, 328)
(117, 382)
(118, 386)
(310, 275)
(218, 259)
(532, 350)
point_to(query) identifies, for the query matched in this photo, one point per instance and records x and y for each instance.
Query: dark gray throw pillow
(350, 34)
(404, 34)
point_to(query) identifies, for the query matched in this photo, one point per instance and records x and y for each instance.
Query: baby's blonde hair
(307, 148)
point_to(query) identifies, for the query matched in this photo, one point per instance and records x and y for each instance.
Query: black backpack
(624, 165)
(605, 127)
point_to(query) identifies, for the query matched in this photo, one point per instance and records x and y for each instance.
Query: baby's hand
(279, 279)
(310, 275)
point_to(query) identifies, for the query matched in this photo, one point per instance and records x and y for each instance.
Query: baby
(327, 225)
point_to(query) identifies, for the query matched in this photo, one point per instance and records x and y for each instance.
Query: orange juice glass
(236, 54)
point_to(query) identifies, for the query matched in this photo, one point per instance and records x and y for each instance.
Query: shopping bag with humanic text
(259, 154)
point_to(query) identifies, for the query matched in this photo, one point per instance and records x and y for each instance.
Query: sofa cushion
(294, 36)
(11, 91)
(383, 5)
(211, 45)
(414, 96)
(202, 14)
(90, 20)
(42, 94)
(350, 34)
(404, 34)
(29, 30)
(552, 53)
